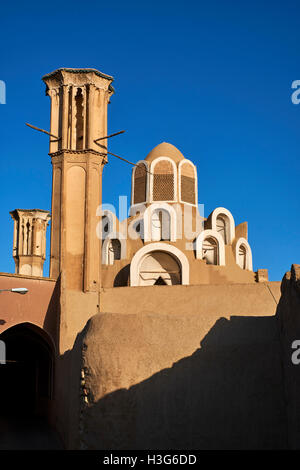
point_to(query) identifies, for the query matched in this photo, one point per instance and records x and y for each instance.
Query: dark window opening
(79, 119)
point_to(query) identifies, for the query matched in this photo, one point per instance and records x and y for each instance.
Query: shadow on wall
(158, 381)
(122, 278)
(229, 394)
(288, 314)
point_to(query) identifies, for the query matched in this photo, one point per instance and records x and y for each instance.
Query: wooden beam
(108, 136)
(42, 130)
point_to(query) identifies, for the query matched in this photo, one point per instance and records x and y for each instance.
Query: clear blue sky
(213, 78)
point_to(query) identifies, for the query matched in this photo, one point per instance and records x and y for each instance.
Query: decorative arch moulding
(242, 242)
(229, 221)
(159, 247)
(209, 233)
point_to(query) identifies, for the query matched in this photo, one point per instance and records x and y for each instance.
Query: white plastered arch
(231, 226)
(166, 248)
(153, 164)
(221, 246)
(113, 236)
(155, 206)
(243, 242)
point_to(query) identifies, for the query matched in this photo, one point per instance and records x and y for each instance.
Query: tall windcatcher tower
(79, 99)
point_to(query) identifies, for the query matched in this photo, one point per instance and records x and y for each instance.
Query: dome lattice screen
(188, 183)
(163, 181)
(140, 183)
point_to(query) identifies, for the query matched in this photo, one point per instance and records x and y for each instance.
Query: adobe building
(153, 331)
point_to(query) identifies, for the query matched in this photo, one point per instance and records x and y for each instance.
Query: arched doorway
(159, 260)
(26, 390)
(26, 378)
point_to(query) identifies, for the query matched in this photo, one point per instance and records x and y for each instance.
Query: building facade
(150, 332)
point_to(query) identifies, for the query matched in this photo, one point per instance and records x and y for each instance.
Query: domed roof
(165, 150)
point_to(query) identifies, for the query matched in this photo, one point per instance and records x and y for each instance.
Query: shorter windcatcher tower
(29, 246)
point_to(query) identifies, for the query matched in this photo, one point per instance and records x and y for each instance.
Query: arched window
(243, 254)
(135, 229)
(188, 185)
(160, 222)
(139, 227)
(210, 250)
(222, 224)
(210, 247)
(242, 257)
(160, 225)
(79, 119)
(105, 226)
(221, 221)
(114, 250)
(163, 171)
(139, 183)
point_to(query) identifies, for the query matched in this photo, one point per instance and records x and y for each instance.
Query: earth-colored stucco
(40, 306)
(208, 300)
(188, 367)
(166, 381)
